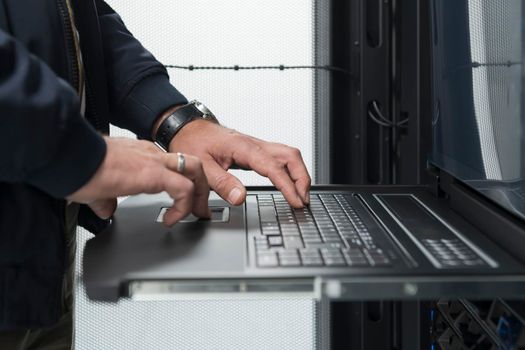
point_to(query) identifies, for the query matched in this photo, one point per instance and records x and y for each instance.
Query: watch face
(207, 114)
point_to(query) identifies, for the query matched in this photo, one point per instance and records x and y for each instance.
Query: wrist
(193, 131)
(170, 123)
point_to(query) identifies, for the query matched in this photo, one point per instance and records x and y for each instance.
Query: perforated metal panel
(496, 50)
(274, 105)
(258, 323)
(270, 104)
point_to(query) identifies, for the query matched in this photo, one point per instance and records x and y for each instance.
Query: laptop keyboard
(328, 233)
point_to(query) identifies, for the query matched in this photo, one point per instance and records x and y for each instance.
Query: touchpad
(218, 214)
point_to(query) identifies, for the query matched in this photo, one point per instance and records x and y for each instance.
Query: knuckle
(275, 172)
(188, 187)
(308, 181)
(221, 182)
(295, 152)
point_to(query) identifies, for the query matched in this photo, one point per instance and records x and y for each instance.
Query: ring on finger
(181, 165)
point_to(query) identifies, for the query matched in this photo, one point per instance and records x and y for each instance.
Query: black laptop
(462, 236)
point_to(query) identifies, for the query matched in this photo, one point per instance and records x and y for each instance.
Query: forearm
(44, 136)
(139, 86)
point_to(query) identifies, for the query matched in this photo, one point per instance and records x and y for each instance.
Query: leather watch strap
(172, 124)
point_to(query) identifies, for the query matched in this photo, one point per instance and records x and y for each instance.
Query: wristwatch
(182, 116)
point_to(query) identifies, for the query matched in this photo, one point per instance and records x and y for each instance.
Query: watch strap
(173, 123)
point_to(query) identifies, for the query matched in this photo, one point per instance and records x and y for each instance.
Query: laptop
(451, 238)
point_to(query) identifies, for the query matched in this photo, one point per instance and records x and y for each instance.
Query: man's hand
(219, 148)
(133, 167)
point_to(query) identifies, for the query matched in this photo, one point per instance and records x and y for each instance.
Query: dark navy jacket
(47, 150)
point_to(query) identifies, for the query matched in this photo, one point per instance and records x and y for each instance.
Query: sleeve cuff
(80, 154)
(147, 101)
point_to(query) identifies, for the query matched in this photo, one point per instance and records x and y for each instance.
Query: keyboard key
(378, 258)
(317, 245)
(474, 262)
(357, 262)
(311, 261)
(289, 226)
(331, 253)
(289, 262)
(293, 242)
(275, 240)
(268, 259)
(334, 261)
(354, 257)
(311, 257)
(288, 253)
(451, 263)
(332, 239)
(310, 241)
(291, 232)
(334, 245)
(289, 258)
(267, 214)
(309, 252)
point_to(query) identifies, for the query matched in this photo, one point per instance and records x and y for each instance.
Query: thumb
(225, 184)
(104, 208)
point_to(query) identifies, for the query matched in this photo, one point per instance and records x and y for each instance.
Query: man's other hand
(132, 167)
(219, 148)
(104, 208)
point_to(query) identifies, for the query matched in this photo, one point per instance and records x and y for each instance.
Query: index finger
(193, 171)
(262, 162)
(299, 173)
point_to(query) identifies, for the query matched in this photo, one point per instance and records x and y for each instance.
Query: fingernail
(234, 195)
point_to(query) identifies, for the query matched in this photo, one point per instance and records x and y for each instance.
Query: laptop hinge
(502, 227)
(435, 185)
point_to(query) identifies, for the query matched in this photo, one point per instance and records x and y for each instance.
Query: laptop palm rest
(137, 247)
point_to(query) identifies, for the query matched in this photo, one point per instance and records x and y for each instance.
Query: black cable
(377, 121)
(383, 121)
(475, 64)
(279, 67)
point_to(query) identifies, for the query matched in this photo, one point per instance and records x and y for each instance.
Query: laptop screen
(478, 96)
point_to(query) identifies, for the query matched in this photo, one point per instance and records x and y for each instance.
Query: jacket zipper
(91, 110)
(74, 72)
(84, 88)
(71, 44)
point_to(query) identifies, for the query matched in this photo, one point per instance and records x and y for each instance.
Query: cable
(382, 120)
(377, 121)
(279, 67)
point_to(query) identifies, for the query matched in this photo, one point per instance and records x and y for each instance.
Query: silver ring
(181, 163)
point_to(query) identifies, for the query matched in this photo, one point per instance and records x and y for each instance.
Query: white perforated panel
(260, 323)
(496, 44)
(269, 104)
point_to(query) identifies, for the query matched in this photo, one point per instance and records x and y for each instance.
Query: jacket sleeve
(45, 142)
(139, 86)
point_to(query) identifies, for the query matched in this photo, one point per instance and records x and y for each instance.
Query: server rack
(380, 120)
